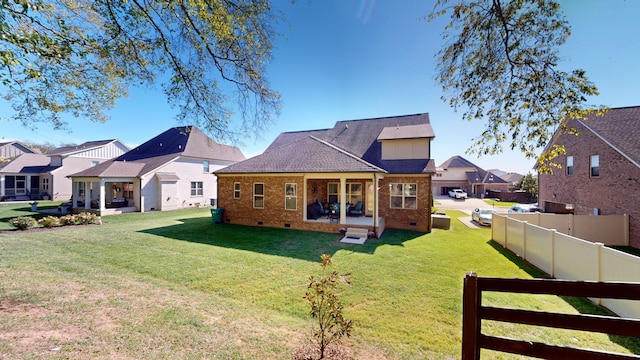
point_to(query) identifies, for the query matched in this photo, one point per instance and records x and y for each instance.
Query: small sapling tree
(326, 308)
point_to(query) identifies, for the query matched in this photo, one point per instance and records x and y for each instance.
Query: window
(127, 190)
(81, 189)
(45, 184)
(333, 193)
(354, 193)
(236, 190)
(205, 166)
(290, 196)
(196, 188)
(569, 165)
(258, 195)
(403, 196)
(595, 165)
(95, 163)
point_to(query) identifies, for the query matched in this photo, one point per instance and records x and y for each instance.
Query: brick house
(460, 173)
(600, 172)
(382, 163)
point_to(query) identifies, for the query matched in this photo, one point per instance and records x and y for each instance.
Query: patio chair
(357, 209)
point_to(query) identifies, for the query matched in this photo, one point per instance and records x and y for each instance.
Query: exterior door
(369, 203)
(21, 185)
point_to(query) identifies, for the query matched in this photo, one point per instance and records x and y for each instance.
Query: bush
(23, 222)
(88, 218)
(50, 221)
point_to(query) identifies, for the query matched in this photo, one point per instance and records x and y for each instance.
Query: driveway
(466, 206)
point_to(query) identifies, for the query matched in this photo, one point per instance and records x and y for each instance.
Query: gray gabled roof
(458, 162)
(66, 150)
(358, 138)
(28, 164)
(178, 141)
(307, 154)
(620, 128)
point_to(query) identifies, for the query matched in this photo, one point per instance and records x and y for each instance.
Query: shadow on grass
(582, 305)
(306, 245)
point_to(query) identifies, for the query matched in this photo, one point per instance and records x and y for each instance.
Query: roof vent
(160, 144)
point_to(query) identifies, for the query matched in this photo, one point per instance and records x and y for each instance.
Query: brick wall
(241, 211)
(614, 192)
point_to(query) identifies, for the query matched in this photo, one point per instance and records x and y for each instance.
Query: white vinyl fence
(567, 257)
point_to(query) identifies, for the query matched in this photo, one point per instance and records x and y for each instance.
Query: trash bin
(216, 215)
(34, 206)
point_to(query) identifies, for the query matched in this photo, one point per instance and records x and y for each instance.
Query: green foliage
(500, 65)
(50, 221)
(326, 308)
(78, 57)
(529, 184)
(23, 222)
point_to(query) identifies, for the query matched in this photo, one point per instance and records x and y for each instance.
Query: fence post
(626, 229)
(599, 247)
(553, 252)
(470, 318)
(524, 240)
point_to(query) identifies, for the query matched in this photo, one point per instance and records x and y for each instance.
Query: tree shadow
(582, 305)
(298, 244)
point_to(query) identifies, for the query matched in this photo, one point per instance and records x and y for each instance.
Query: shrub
(68, 220)
(85, 218)
(23, 222)
(50, 221)
(326, 308)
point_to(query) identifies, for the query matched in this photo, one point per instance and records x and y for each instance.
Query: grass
(172, 285)
(12, 210)
(499, 203)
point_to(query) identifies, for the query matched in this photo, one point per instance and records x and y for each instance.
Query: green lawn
(167, 285)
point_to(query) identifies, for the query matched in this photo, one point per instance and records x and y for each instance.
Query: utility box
(440, 221)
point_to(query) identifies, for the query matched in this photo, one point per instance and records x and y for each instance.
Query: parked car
(483, 216)
(524, 208)
(458, 194)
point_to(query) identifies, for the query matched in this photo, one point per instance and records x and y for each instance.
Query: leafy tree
(500, 65)
(326, 308)
(529, 184)
(80, 56)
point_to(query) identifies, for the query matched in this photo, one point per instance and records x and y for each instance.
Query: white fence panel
(498, 226)
(619, 266)
(539, 248)
(516, 236)
(575, 259)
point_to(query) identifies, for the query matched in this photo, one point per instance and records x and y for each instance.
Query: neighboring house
(12, 149)
(600, 172)
(512, 178)
(171, 171)
(382, 163)
(459, 173)
(37, 176)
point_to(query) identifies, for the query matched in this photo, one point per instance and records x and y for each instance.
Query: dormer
(406, 142)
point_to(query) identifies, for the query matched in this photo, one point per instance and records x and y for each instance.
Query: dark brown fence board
(546, 351)
(592, 323)
(473, 313)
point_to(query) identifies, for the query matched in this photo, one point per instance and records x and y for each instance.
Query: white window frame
(352, 195)
(205, 166)
(594, 166)
(81, 189)
(236, 190)
(290, 196)
(569, 165)
(258, 198)
(403, 191)
(197, 191)
(95, 163)
(45, 184)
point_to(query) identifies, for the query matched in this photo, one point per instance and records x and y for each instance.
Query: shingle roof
(359, 138)
(171, 144)
(65, 150)
(458, 162)
(308, 154)
(28, 164)
(620, 127)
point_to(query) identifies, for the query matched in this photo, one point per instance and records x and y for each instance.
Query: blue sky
(355, 59)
